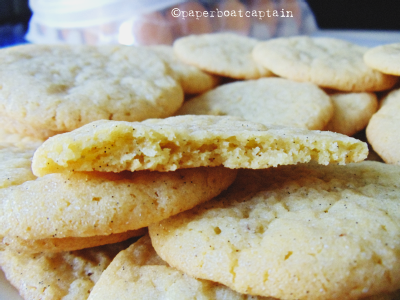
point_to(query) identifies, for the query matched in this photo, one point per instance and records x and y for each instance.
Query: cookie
(139, 273)
(352, 112)
(188, 142)
(192, 79)
(15, 169)
(384, 58)
(18, 140)
(18, 244)
(266, 100)
(294, 232)
(46, 89)
(56, 276)
(372, 155)
(327, 62)
(15, 164)
(102, 203)
(383, 129)
(224, 54)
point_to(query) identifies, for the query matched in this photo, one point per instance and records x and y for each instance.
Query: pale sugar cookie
(18, 140)
(352, 112)
(224, 54)
(15, 169)
(57, 276)
(15, 164)
(266, 100)
(18, 244)
(192, 79)
(327, 62)
(384, 58)
(188, 142)
(139, 273)
(294, 232)
(46, 89)
(102, 203)
(383, 130)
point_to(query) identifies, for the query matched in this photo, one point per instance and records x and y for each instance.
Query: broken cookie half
(189, 142)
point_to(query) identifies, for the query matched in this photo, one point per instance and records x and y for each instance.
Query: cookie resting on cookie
(189, 142)
(294, 232)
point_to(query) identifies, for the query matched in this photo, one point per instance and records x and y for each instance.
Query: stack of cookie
(235, 209)
(298, 232)
(335, 66)
(46, 90)
(96, 186)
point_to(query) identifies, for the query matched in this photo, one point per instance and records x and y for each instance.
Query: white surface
(368, 38)
(7, 291)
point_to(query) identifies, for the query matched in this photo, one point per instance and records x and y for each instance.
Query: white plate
(7, 291)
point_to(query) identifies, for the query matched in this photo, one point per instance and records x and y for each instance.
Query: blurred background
(14, 19)
(151, 22)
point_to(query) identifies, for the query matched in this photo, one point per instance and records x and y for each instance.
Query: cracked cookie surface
(139, 271)
(384, 58)
(294, 232)
(56, 276)
(223, 54)
(328, 62)
(266, 100)
(46, 90)
(85, 204)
